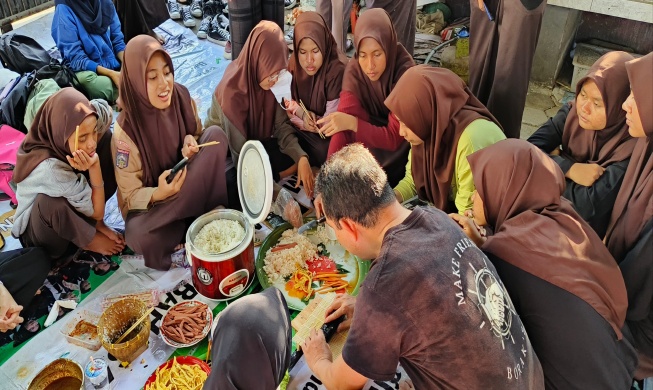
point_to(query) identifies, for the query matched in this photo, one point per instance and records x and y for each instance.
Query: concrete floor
(541, 103)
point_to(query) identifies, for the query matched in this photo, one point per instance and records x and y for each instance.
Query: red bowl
(183, 360)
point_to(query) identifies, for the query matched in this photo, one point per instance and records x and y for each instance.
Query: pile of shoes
(291, 18)
(214, 15)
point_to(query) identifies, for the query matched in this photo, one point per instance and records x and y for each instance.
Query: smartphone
(180, 165)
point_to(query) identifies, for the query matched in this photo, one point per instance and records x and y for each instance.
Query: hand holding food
(190, 147)
(343, 305)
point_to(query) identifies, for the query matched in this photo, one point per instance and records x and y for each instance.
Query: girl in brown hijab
(590, 142)
(61, 184)
(630, 235)
(245, 107)
(317, 67)
(565, 285)
(158, 126)
(378, 64)
(444, 123)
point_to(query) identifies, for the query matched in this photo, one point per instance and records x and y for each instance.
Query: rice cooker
(226, 275)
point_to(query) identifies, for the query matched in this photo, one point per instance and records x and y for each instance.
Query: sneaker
(219, 36)
(349, 44)
(290, 4)
(223, 21)
(187, 17)
(211, 8)
(227, 51)
(205, 26)
(225, 10)
(290, 36)
(174, 10)
(196, 8)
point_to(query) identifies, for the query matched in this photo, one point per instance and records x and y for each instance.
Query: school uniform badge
(122, 158)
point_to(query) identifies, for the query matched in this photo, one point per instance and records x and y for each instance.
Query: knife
(329, 329)
(311, 225)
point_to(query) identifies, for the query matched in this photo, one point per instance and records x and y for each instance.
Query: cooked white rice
(322, 234)
(219, 236)
(283, 263)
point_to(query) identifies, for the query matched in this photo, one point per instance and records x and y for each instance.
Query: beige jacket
(128, 165)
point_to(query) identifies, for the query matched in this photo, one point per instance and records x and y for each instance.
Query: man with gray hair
(432, 300)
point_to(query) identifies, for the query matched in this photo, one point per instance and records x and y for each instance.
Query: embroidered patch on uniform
(122, 145)
(122, 158)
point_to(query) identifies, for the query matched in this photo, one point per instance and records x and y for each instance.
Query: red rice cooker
(226, 275)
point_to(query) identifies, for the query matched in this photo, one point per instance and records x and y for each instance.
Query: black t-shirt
(434, 303)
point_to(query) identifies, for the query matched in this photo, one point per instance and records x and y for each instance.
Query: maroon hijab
(48, 137)
(634, 207)
(539, 232)
(247, 106)
(158, 134)
(375, 23)
(612, 144)
(315, 91)
(437, 106)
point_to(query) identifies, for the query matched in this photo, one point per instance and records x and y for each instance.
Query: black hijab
(251, 343)
(95, 15)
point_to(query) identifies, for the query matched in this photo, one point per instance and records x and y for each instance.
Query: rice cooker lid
(255, 181)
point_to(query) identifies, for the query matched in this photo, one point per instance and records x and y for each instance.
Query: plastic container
(97, 373)
(83, 341)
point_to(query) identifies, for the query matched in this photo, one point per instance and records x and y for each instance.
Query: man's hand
(342, 305)
(316, 349)
(190, 146)
(585, 174)
(9, 311)
(81, 161)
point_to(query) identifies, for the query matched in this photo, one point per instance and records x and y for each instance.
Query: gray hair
(353, 185)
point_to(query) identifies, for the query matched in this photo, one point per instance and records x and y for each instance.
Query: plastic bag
(287, 207)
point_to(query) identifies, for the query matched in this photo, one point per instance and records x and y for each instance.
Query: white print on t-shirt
(492, 300)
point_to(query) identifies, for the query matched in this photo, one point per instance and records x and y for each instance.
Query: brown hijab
(539, 232)
(248, 106)
(158, 134)
(315, 91)
(633, 207)
(375, 23)
(48, 137)
(612, 144)
(437, 106)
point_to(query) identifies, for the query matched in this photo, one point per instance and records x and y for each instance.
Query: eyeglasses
(275, 77)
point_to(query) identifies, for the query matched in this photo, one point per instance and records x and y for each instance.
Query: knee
(214, 133)
(136, 232)
(86, 77)
(48, 205)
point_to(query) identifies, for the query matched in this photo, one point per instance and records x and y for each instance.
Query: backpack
(22, 54)
(10, 141)
(12, 108)
(59, 72)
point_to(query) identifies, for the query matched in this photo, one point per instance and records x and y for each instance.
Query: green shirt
(478, 135)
